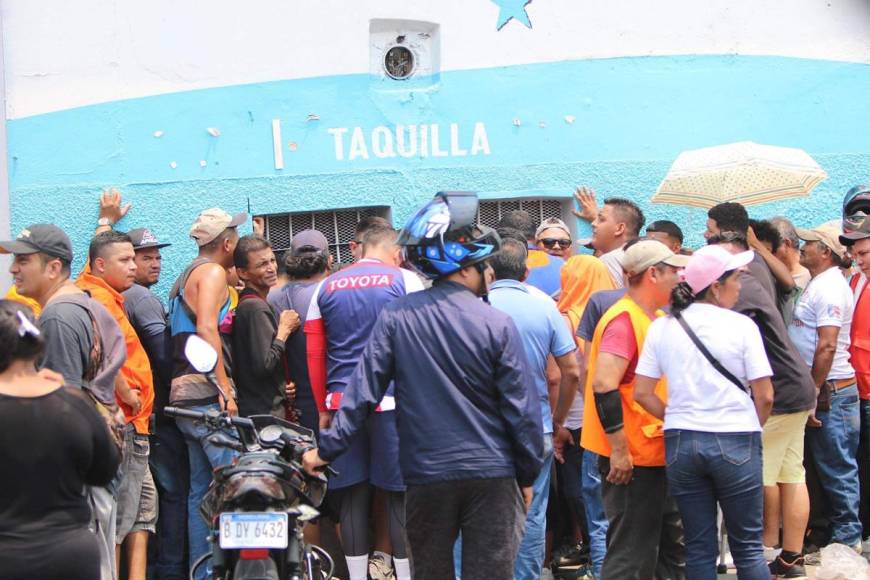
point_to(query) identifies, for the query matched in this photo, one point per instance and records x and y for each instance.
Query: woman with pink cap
(719, 396)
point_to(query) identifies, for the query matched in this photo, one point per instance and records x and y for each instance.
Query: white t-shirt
(574, 420)
(613, 261)
(700, 398)
(826, 301)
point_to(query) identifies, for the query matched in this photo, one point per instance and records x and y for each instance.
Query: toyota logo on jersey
(359, 282)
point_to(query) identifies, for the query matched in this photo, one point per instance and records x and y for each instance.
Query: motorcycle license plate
(253, 530)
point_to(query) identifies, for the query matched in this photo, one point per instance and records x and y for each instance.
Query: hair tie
(26, 327)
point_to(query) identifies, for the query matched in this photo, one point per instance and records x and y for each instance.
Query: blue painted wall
(632, 116)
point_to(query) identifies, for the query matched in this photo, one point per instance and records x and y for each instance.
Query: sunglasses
(551, 242)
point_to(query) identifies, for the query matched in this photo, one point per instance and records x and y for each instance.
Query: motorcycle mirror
(201, 355)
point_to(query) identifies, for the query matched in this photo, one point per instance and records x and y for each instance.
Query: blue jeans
(530, 557)
(864, 466)
(590, 483)
(169, 466)
(203, 457)
(706, 468)
(835, 449)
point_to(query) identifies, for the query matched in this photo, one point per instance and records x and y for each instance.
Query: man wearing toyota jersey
(340, 319)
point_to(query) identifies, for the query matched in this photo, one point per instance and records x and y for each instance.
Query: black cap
(308, 241)
(849, 238)
(45, 238)
(143, 239)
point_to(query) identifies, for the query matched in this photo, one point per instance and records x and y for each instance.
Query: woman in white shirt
(712, 425)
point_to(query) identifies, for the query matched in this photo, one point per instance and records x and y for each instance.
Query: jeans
(864, 465)
(706, 468)
(104, 512)
(170, 469)
(596, 521)
(137, 505)
(530, 557)
(203, 457)
(835, 449)
(488, 512)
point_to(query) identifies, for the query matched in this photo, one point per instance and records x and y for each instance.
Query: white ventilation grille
(337, 225)
(490, 212)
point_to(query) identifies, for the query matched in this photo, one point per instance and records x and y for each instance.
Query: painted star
(509, 9)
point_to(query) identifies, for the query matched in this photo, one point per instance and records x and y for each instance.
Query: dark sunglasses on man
(551, 242)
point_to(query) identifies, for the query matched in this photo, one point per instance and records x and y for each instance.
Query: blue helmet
(443, 236)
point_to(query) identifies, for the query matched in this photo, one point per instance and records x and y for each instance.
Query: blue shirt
(344, 308)
(464, 405)
(545, 272)
(599, 303)
(543, 331)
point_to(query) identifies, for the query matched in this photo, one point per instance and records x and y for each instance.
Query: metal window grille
(489, 213)
(337, 225)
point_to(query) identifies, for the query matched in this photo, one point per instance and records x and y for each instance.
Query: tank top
(189, 387)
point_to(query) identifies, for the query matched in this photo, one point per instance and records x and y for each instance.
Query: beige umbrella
(745, 172)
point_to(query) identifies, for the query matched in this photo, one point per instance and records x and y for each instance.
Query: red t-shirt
(859, 349)
(618, 339)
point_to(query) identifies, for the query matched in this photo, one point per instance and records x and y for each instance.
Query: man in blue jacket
(470, 430)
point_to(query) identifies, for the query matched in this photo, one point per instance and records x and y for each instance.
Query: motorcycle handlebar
(176, 412)
(221, 440)
(211, 416)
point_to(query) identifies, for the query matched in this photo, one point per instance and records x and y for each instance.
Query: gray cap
(647, 253)
(850, 237)
(143, 239)
(826, 234)
(45, 238)
(551, 223)
(212, 222)
(308, 241)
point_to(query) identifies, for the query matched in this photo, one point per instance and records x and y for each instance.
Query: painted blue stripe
(625, 108)
(632, 117)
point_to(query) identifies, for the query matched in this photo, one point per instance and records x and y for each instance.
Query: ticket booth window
(337, 225)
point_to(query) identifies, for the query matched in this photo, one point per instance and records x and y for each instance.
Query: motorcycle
(257, 506)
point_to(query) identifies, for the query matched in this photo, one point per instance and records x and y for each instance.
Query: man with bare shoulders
(198, 302)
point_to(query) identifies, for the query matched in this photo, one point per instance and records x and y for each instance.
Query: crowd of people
(496, 404)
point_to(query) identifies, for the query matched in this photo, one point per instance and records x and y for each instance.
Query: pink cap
(707, 264)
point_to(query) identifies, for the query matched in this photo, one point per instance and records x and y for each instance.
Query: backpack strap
(95, 357)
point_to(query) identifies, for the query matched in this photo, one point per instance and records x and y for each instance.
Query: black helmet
(856, 207)
(443, 236)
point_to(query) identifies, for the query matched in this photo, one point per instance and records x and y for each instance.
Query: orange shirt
(137, 369)
(582, 276)
(643, 432)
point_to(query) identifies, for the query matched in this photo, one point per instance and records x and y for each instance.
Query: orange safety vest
(643, 431)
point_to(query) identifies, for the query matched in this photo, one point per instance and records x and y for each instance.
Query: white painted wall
(62, 54)
(5, 234)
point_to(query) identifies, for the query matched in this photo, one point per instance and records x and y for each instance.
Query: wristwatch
(103, 221)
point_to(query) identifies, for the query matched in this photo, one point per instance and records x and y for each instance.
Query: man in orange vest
(112, 270)
(644, 525)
